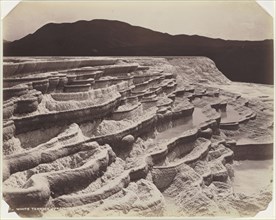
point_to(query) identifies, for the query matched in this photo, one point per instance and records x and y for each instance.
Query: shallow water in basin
(186, 124)
(252, 176)
(230, 115)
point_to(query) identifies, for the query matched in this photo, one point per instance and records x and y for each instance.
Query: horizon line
(103, 19)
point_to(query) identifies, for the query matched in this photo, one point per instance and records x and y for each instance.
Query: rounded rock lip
(82, 81)
(7, 123)
(17, 88)
(8, 103)
(45, 81)
(27, 99)
(53, 78)
(77, 85)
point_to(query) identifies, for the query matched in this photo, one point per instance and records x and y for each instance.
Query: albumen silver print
(137, 109)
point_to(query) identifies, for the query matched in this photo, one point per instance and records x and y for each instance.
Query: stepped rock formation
(129, 136)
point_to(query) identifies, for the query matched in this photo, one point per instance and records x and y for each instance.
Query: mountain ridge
(105, 20)
(248, 61)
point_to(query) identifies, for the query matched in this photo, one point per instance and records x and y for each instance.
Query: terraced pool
(252, 175)
(187, 123)
(230, 115)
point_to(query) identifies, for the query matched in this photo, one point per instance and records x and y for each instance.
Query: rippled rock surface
(139, 136)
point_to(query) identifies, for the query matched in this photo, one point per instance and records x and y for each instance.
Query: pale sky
(231, 20)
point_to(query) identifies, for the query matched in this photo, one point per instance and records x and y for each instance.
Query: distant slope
(249, 61)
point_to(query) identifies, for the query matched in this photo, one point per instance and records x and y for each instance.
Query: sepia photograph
(137, 109)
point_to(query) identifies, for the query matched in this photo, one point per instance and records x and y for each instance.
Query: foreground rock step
(42, 186)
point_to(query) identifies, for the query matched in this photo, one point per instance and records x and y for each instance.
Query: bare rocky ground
(134, 136)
